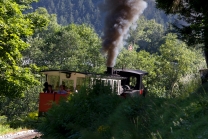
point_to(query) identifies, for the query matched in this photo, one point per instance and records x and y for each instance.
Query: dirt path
(29, 134)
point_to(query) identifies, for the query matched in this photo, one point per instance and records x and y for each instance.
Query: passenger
(68, 91)
(45, 89)
(62, 91)
(64, 87)
(50, 90)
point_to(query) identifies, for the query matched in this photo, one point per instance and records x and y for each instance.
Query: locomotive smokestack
(110, 70)
(120, 15)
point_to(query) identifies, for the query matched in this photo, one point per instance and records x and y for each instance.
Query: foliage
(74, 47)
(14, 108)
(192, 15)
(170, 70)
(192, 20)
(102, 115)
(5, 128)
(126, 59)
(69, 119)
(3, 119)
(15, 28)
(33, 54)
(52, 48)
(29, 121)
(19, 114)
(147, 35)
(177, 62)
(75, 11)
(96, 113)
(88, 12)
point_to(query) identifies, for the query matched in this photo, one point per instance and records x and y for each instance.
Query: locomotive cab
(132, 84)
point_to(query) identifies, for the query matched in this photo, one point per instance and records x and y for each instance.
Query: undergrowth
(16, 125)
(98, 113)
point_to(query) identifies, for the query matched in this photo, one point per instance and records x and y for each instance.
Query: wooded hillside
(88, 12)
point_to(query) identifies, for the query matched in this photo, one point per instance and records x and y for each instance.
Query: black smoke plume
(120, 16)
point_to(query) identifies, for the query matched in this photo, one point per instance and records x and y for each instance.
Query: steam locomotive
(130, 81)
(125, 82)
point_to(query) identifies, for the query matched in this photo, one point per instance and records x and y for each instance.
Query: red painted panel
(141, 92)
(45, 101)
(60, 96)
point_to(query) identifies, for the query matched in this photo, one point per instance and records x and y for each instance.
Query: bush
(29, 121)
(97, 113)
(14, 108)
(3, 119)
(85, 111)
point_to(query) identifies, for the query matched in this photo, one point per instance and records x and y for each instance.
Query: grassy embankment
(21, 124)
(103, 116)
(148, 117)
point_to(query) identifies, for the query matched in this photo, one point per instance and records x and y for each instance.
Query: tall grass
(18, 113)
(5, 127)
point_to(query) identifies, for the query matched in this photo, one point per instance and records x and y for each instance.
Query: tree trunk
(206, 42)
(206, 53)
(204, 72)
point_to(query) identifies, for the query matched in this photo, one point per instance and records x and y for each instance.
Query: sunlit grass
(20, 124)
(5, 129)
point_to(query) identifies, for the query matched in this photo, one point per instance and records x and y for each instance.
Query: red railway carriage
(124, 82)
(70, 79)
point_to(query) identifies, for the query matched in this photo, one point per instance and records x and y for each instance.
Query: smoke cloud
(120, 16)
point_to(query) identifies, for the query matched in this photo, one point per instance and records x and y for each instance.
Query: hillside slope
(80, 11)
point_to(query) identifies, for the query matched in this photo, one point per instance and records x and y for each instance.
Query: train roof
(140, 72)
(82, 74)
(60, 71)
(130, 71)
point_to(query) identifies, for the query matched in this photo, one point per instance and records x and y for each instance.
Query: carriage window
(109, 82)
(103, 82)
(80, 82)
(93, 81)
(115, 86)
(133, 81)
(54, 81)
(69, 84)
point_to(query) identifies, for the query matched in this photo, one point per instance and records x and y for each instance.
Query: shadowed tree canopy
(192, 23)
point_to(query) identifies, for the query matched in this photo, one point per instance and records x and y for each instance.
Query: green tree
(176, 62)
(15, 27)
(193, 20)
(64, 9)
(147, 35)
(143, 60)
(173, 67)
(34, 53)
(73, 47)
(126, 59)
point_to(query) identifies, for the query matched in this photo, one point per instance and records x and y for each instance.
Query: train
(124, 82)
